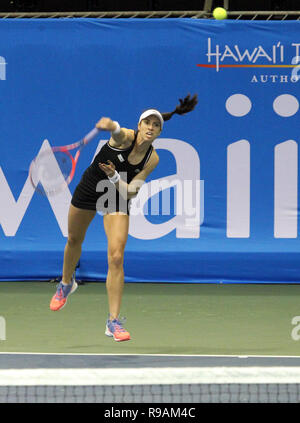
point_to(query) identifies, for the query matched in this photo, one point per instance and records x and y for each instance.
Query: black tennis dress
(104, 197)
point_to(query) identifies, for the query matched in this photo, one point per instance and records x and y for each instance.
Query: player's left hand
(108, 169)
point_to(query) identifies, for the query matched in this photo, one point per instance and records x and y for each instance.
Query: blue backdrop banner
(222, 206)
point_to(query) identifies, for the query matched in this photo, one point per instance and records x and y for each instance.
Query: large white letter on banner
(238, 189)
(12, 211)
(186, 223)
(286, 190)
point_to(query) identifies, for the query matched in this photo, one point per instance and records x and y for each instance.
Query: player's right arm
(119, 138)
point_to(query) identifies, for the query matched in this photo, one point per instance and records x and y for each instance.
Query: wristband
(117, 130)
(115, 178)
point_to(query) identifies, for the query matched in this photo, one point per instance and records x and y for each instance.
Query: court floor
(163, 319)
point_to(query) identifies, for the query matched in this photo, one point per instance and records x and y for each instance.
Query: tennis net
(151, 385)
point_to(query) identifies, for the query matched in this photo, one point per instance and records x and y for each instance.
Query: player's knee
(115, 258)
(75, 240)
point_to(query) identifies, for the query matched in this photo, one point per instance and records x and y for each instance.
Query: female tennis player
(128, 153)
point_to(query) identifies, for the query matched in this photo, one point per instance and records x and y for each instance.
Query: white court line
(150, 376)
(153, 355)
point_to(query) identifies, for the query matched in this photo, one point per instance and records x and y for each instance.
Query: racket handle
(91, 135)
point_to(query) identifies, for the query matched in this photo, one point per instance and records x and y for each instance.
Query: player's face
(150, 128)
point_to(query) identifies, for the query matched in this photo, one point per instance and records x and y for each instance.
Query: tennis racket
(52, 170)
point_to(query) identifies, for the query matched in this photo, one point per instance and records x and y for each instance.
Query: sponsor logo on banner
(188, 203)
(189, 199)
(270, 57)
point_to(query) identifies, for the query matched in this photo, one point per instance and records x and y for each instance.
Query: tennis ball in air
(219, 13)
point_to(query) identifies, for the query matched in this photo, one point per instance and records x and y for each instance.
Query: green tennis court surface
(162, 319)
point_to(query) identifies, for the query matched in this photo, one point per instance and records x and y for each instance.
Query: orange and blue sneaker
(115, 329)
(59, 299)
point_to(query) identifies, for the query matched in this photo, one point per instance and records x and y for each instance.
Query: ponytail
(186, 105)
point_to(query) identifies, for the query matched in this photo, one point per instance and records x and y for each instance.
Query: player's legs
(116, 228)
(78, 223)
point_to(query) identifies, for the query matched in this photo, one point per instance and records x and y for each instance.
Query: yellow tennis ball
(219, 13)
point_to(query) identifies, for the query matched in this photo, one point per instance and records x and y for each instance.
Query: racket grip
(91, 135)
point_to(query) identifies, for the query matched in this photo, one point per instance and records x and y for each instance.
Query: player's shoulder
(125, 141)
(129, 137)
(129, 134)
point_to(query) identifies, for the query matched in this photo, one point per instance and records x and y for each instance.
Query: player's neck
(141, 145)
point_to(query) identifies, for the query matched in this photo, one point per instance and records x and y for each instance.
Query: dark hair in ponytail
(186, 105)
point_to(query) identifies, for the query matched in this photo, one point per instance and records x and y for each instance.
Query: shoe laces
(118, 324)
(60, 291)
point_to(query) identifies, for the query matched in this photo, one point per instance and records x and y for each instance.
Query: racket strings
(50, 171)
